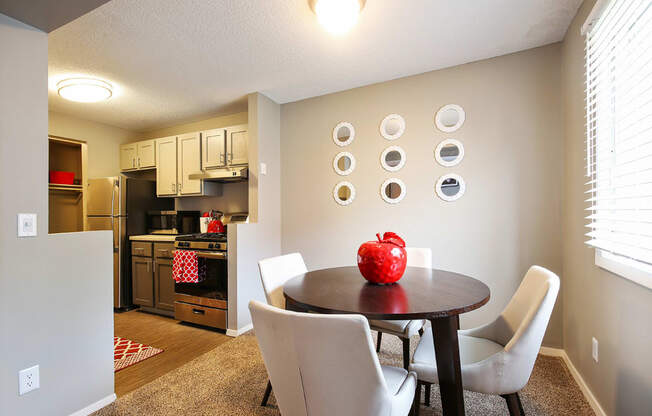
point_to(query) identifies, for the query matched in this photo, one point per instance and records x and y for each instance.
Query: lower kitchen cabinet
(142, 279)
(153, 286)
(163, 284)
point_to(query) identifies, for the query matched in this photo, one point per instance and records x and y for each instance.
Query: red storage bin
(62, 178)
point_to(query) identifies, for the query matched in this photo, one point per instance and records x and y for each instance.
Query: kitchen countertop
(154, 237)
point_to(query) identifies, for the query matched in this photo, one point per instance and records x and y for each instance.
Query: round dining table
(436, 295)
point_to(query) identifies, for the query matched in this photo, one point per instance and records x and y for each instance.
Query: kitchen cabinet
(225, 147)
(189, 161)
(128, 154)
(237, 152)
(166, 166)
(152, 282)
(177, 158)
(142, 280)
(138, 155)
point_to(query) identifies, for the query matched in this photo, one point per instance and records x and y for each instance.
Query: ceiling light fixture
(337, 16)
(84, 90)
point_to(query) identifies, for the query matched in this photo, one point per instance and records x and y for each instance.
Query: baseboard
(238, 332)
(94, 407)
(588, 394)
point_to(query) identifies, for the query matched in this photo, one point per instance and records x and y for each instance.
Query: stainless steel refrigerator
(120, 204)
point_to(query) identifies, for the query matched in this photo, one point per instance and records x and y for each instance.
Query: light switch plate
(263, 168)
(26, 225)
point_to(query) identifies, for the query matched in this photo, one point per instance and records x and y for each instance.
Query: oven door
(212, 290)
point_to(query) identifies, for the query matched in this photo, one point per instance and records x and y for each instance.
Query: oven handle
(207, 255)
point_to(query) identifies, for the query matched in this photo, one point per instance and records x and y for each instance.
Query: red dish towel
(185, 267)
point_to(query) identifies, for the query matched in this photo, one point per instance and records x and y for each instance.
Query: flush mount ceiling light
(337, 16)
(84, 90)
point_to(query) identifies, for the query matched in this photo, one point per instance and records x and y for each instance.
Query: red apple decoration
(383, 261)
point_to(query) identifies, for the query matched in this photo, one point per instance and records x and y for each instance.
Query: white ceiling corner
(174, 61)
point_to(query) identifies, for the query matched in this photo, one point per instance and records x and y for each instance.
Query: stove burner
(217, 237)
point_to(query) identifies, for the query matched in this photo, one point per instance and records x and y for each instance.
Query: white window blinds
(619, 131)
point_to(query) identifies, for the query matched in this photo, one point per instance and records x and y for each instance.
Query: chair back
(419, 257)
(273, 328)
(329, 361)
(522, 325)
(275, 271)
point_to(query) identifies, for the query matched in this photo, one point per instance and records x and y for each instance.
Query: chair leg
(406, 352)
(513, 404)
(416, 404)
(427, 399)
(380, 337)
(268, 390)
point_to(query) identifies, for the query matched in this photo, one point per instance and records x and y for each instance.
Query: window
(619, 136)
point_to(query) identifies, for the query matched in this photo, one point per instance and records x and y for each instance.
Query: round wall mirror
(344, 193)
(393, 190)
(449, 152)
(392, 158)
(344, 163)
(450, 118)
(450, 187)
(343, 133)
(392, 127)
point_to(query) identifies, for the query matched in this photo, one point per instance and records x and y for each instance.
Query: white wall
(509, 218)
(55, 290)
(598, 303)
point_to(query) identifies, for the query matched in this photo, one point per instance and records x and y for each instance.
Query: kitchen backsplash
(234, 198)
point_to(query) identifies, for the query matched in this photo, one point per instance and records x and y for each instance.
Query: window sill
(629, 269)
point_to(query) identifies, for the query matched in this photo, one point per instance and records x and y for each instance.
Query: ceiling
(47, 15)
(177, 61)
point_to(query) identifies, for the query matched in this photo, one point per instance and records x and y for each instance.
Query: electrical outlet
(28, 380)
(263, 168)
(594, 349)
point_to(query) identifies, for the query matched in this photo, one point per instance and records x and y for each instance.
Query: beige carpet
(231, 379)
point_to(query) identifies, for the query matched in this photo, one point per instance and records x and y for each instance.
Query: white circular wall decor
(393, 190)
(344, 163)
(343, 133)
(449, 152)
(450, 118)
(392, 127)
(344, 193)
(450, 187)
(392, 158)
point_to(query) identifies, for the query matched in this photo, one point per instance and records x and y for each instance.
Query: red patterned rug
(127, 352)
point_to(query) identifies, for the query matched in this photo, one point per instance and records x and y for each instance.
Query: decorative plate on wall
(392, 127)
(450, 118)
(344, 193)
(344, 163)
(450, 187)
(393, 190)
(392, 158)
(449, 152)
(343, 133)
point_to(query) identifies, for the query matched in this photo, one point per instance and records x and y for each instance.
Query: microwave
(173, 222)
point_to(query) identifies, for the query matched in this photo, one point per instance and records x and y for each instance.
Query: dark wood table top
(420, 294)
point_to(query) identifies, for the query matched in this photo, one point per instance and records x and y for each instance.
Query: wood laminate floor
(181, 343)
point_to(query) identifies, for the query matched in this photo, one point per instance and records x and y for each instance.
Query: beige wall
(103, 141)
(509, 218)
(207, 124)
(598, 303)
(56, 300)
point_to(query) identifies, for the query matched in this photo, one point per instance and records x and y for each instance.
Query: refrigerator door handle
(115, 248)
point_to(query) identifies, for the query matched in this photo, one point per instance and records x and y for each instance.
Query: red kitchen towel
(185, 267)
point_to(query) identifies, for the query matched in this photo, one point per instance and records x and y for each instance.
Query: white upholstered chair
(416, 257)
(497, 358)
(326, 365)
(274, 272)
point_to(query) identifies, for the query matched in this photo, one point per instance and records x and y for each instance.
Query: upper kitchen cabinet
(176, 158)
(166, 166)
(189, 161)
(213, 148)
(225, 147)
(236, 145)
(138, 155)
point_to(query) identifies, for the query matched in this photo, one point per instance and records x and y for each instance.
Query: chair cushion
(394, 377)
(472, 350)
(403, 329)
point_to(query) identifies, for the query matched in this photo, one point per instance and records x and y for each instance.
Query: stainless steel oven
(206, 302)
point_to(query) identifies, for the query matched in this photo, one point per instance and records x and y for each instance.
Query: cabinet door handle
(133, 162)
(138, 162)
(174, 187)
(198, 311)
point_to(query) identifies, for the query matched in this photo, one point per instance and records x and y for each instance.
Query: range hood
(222, 174)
